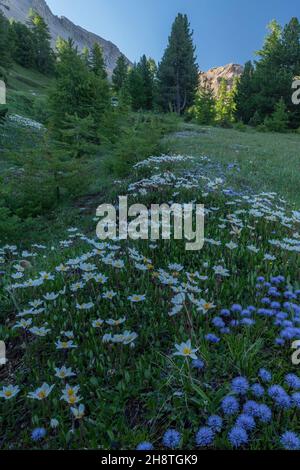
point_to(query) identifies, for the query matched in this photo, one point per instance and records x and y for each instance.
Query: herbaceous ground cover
(143, 344)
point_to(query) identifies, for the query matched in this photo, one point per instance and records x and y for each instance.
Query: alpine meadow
(123, 339)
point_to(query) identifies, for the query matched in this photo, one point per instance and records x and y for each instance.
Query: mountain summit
(61, 26)
(214, 77)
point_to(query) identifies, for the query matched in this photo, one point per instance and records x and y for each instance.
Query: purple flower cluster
(276, 301)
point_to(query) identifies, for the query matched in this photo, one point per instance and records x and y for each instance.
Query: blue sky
(224, 30)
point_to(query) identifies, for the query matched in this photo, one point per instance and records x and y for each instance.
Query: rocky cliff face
(61, 26)
(213, 77)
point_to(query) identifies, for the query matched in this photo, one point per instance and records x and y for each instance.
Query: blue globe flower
(145, 446)
(290, 441)
(215, 422)
(38, 434)
(230, 405)
(240, 385)
(205, 437)
(238, 436)
(171, 438)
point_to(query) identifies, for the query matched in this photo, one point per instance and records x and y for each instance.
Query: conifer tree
(245, 94)
(178, 72)
(203, 110)
(77, 94)
(22, 43)
(279, 120)
(120, 73)
(5, 52)
(44, 58)
(97, 61)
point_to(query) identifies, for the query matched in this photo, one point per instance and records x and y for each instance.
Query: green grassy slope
(267, 161)
(27, 89)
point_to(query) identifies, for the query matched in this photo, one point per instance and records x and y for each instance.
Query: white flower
(9, 392)
(17, 275)
(54, 423)
(63, 372)
(77, 286)
(36, 303)
(219, 270)
(62, 268)
(253, 248)
(231, 245)
(175, 267)
(65, 344)
(42, 331)
(47, 276)
(70, 394)
(119, 264)
(100, 278)
(129, 337)
(86, 306)
(41, 392)
(205, 306)
(97, 323)
(185, 350)
(175, 310)
(78, 412)
(178, 299)
(109, 294)
(269, 257)
(51, 296)
(23, 323)
(107, 338)
(136, 298)
(118, 322)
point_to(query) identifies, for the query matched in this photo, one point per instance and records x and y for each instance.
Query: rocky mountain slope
(214, 76)
(60, 26)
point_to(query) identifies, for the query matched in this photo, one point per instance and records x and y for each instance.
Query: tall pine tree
(97, 61)
(44, 57)
(120, 73)
(178, 72)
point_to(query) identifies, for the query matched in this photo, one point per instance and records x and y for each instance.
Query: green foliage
(270, 81)
(279, 120)
(139, 138)
(120, 73)
(178, 72)
(5, 50)
(23, 49)
(77, 92)
(141, 84)
(245, 100)
(225, 104)
(203, 111)
(43, 54)
(3, 113)
(97, 62)
(77, 136)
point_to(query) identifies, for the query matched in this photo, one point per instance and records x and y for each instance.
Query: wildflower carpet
(144, 345)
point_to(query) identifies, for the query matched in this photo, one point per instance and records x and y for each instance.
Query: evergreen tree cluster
(136, 85)
(80, 101)
(28, 45)
(170, 87)
(264, 91)
(219, 109)
(178, 72)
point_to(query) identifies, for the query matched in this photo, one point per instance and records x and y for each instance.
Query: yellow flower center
(187, 351)
(42, 395)
(72, 399)
(8, 393)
